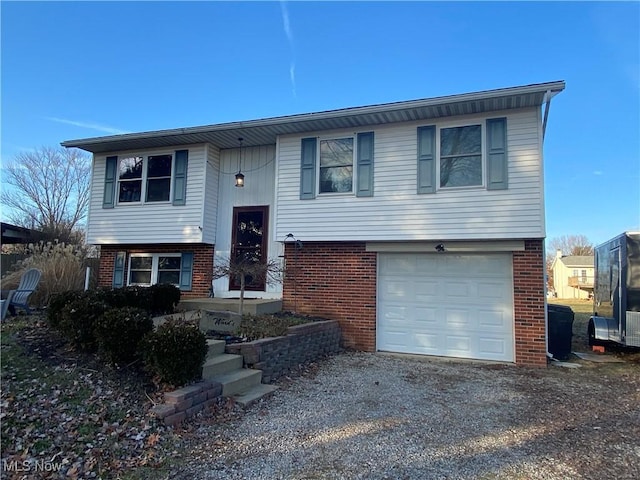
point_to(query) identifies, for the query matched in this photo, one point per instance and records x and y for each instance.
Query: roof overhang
(265, 131)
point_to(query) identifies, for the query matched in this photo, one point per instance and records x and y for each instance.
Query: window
(461, 156)
(336, 165)
(149, 269)
(130, 179)
(148, 178)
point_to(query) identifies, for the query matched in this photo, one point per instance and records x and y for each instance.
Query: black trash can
(560, 330)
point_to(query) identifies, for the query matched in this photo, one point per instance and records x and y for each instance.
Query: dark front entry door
(249, 243)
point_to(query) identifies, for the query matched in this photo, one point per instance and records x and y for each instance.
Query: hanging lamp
(239, 175)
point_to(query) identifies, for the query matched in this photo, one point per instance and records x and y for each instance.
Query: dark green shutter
(308, 168)
(365, 165)
(186, 270)
(427, 159)
(118, 269)
(180, 177)
(497, 168)
(111, 167)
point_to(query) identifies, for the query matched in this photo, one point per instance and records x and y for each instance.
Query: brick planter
(187, 401)
(305, 343)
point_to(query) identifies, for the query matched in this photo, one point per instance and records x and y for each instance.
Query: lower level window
(151, 268)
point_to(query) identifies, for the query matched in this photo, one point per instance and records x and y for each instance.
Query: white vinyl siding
(210, 205)
(149, 222)
(258, 167)
(396, 212)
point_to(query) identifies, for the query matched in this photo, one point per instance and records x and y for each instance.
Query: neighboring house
(572, 276)
(421, 223)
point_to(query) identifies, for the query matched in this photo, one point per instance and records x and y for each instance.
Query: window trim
(354, 157)
(144, 179)
(483, 157)
(154, 267)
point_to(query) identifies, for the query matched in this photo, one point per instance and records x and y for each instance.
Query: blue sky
(82, 69)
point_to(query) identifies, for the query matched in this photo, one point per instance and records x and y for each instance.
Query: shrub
(119, 332)
(175, 352)
(77, 321)
(57, 302)
(163, 298)
(130, 296)
(254, 327)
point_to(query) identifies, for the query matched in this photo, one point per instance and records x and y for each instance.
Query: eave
(265, 131)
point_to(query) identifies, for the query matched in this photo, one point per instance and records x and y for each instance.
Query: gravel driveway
(376, 416)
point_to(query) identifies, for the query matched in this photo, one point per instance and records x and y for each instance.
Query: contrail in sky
(289, 34)
(92, 126)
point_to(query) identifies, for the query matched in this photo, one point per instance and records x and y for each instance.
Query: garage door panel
(449, 305)
(493, 320)
(457, 318)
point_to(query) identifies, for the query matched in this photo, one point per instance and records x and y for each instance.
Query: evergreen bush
(77, 321)
(175, 352)
(120, 331)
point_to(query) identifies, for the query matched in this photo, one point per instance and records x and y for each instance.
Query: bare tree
(50, 191)
(246, 269)
(578, 245)
(571, 245)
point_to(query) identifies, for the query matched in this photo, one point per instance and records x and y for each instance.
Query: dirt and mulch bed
(66, 414)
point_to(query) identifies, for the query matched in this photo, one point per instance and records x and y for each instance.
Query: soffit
(265, 131)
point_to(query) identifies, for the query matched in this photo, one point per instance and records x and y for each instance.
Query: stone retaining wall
(187, 401)
(277, 355)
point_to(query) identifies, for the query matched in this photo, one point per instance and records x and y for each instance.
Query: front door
(249, 244)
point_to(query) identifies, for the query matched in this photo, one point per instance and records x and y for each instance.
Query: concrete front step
(249, 397)
(238, 381)
(216, 347)
(221, 365)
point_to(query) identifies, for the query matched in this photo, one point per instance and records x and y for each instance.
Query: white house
(420, 224)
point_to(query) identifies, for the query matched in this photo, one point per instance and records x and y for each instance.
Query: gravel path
(379, 416)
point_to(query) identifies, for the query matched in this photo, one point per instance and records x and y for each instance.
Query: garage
(445, 304)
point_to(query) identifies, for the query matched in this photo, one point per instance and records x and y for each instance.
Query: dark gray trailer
(616, 294)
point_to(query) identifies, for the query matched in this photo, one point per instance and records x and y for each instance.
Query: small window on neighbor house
(336, 165)
(148, 269)
(461, 156)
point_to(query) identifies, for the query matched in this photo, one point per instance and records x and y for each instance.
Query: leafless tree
(247, 269)
(50, 191)
(578, 245)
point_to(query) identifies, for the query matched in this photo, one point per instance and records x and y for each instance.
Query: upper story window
(144, 177)
(461, 156)
(336, 165)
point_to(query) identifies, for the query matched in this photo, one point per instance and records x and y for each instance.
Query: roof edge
(551, 87)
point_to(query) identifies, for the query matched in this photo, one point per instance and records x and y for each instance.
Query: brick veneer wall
(529, 305)
(338, 281)
(278, 355)
(335, 281)
(202, 263)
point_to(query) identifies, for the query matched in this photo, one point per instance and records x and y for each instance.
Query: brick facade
(202, 263)
(335, 281)
(338, 281)
(529, 305)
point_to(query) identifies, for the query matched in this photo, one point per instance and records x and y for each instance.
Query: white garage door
(446, 305)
